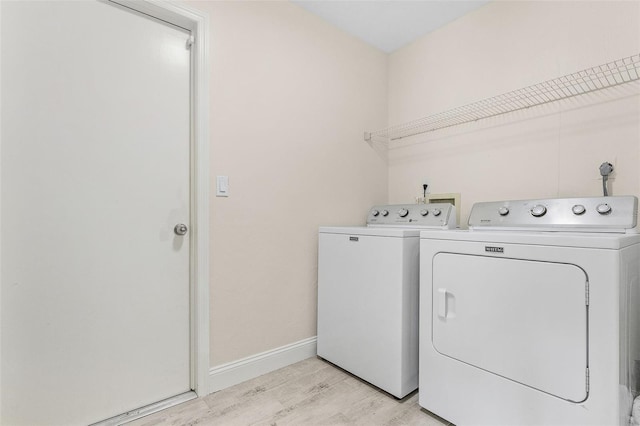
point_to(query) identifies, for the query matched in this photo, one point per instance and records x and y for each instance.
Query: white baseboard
(232, 373)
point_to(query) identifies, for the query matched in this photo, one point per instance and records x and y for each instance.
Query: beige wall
(291, 97)
(550, 151)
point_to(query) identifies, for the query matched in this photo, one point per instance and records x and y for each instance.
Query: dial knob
(603, 208)
(403, 212)
(424, 212)
(503, 211)
(375, 213)
(436, 212)
(578, 209)
(538, 210)
(385, 213)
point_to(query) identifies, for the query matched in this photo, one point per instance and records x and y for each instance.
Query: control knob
(578, 209)
(424, 212)
(503, 211)
(436, 212)
(603, 208)
(385, 213)
(403, 212)
(538, 210)
(375, 213)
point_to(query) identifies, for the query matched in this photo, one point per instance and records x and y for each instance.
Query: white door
(520, 319)
(94, 177)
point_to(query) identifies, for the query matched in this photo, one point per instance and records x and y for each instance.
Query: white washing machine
(368, 293)
(532, 317)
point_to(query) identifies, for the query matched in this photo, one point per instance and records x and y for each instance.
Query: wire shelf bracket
(600, 77)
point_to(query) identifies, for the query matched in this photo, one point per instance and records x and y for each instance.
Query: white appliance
(368, 293)
(532, 317)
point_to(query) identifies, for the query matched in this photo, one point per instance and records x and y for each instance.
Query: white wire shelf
(600, 77)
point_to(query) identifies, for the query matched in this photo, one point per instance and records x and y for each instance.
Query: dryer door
(520, 319)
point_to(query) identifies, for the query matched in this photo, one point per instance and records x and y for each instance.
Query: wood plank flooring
(310, 392)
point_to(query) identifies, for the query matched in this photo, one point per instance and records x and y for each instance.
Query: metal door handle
(180, 229)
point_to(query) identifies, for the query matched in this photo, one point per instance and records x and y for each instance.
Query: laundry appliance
(532, 316)
(368, 293)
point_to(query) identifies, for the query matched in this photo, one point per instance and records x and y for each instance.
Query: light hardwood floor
(310, 392)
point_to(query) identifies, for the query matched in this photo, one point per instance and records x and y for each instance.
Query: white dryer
(532, 317)
(368, 293)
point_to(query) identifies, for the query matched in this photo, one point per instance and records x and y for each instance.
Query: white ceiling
(389, 24)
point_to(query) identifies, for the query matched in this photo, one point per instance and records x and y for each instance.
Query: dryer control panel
(436, 215)
(591, 214)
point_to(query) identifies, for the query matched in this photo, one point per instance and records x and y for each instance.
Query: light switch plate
(222, 186)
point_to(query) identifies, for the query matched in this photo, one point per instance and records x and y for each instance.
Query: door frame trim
(197, 22)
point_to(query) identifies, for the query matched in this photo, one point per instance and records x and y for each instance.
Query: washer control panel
(590, 214)
(437, 215)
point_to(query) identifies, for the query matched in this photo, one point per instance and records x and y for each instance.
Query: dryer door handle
(442, 302)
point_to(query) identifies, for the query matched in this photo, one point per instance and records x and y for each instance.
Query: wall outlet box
(452, 198)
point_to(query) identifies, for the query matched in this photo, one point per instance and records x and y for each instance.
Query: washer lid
(372, 231)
